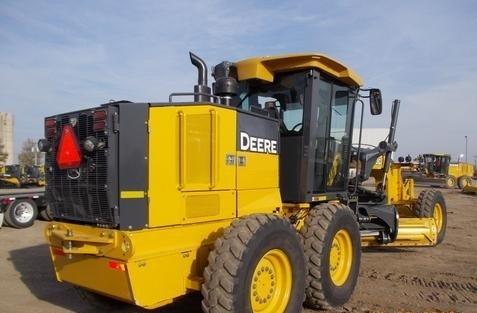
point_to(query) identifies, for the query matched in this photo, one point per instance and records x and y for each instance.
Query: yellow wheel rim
(341, 257)
(271, 283)
(438, 217)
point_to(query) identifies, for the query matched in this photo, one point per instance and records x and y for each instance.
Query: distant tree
(3, 155)
(28, 154)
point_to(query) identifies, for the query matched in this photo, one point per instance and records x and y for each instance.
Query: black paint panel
(259, 127)
(133, 152)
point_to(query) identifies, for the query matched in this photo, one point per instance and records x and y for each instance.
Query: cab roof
(266, 67)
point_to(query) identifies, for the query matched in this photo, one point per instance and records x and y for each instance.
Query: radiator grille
(81, 194)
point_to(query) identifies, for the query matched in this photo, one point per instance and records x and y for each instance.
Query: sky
(58, 56)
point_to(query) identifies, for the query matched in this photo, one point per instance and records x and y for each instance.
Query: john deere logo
(257, 144)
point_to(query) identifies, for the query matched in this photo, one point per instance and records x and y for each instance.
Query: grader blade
(412, 232)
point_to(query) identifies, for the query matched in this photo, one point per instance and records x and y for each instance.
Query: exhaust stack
(202, 92)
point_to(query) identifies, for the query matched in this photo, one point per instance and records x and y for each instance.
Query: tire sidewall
(464, 181)
(273, 236)
(451, 181)
(342, 220)
(427, 204)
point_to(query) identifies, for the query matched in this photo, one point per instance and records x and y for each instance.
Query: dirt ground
(405, 280)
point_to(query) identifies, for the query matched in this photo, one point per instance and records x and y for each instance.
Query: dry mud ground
(406, 280)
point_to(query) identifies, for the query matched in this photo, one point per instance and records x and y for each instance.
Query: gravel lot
(405, 280)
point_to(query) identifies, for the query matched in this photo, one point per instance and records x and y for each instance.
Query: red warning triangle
(68, 154)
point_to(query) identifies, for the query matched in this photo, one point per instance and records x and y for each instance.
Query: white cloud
(60, 55)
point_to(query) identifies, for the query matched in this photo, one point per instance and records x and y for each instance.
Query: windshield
(437, 163)
(283, 99)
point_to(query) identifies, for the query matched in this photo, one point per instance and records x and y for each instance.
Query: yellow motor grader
(437, 169)
(242, 193)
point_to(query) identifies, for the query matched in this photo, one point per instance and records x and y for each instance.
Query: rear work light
(99, 120)
(43, 145)
(69, 153)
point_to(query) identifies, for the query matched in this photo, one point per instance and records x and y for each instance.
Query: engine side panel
(191, 164)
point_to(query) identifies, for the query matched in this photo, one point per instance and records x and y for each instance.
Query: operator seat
(271, 108)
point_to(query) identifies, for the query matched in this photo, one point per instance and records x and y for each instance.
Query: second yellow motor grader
(437, 169)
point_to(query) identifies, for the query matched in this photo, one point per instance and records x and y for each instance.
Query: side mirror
(375, 101)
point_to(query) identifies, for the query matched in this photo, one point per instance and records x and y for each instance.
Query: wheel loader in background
(437, 169)
(242, 194)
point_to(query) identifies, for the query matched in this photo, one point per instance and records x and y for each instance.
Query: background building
(370, 136)
(6, 135)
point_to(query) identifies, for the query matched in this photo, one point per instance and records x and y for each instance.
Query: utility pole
(35, 151)
(465, 149)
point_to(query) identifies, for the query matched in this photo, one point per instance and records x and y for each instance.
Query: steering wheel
(296, 127)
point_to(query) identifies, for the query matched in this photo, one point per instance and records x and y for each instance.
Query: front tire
(451, 181)
(256, 266)
(431, 204)
(332, 253)
(21, 213)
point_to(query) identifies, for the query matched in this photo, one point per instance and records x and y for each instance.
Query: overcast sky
(58, 56)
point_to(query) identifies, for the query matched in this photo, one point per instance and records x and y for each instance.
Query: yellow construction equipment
(437, 169)
(8, 180)
(18, 176)
(242, 194)
(429, 203)
(470, 189)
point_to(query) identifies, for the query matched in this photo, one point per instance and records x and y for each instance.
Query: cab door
(331, 137)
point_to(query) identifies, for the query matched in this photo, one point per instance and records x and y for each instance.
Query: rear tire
(21, 213)
(431, 204)
(256, 266)
(464, 181)
(332, 246)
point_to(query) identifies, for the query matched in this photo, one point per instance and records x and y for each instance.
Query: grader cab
(242, 194)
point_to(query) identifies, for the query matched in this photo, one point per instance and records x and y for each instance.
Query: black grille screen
(81, 194)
